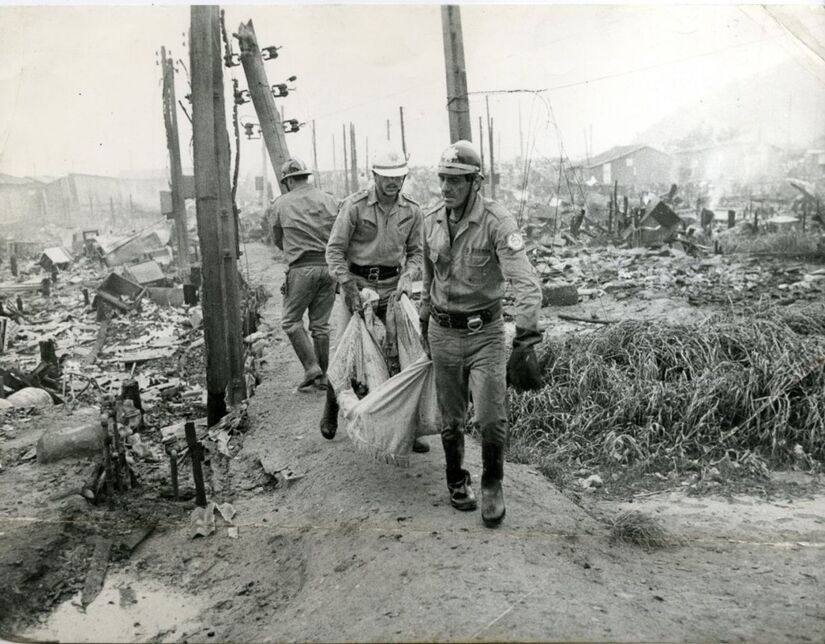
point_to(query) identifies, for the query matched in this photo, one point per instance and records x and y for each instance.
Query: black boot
(329, 421)
(321, 343)
(306, 354)
(492, 496)
(458, 479)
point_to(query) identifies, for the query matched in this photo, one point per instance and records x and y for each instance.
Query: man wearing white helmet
(472, 245)
(302, 219)
(375, 243)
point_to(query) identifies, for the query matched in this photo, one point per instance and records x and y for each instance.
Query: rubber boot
(329, 421)
(306, 354)
(321, 343)
(492, 474)
(458, 479)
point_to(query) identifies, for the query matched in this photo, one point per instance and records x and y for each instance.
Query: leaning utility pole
(458, 104)
(170, 120)
(216, 217)
(261, 92)
(353, 166)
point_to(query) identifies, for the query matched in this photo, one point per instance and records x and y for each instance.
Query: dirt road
(353, 550)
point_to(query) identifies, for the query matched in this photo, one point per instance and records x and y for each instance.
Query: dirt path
(353, 550)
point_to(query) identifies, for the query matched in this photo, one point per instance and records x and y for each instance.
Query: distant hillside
(783, 106)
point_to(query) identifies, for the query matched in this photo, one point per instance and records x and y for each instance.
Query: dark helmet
(460, 158)
(294, 168)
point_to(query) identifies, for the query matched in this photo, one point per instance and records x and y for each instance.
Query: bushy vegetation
(749, 391)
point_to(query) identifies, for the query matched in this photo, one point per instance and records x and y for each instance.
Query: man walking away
(301, 223)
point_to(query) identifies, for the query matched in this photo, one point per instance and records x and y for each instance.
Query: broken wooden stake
(173, 467)
(196, 456)
(97, 571)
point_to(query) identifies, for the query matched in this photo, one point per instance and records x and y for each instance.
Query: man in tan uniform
(375, 243)
(301, 223)
(471, 246)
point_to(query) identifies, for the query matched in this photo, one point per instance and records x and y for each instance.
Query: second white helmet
(390, 162)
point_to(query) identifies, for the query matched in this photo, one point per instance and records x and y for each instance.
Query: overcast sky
(80, 88)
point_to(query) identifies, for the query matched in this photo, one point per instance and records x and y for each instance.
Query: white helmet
(390, 162)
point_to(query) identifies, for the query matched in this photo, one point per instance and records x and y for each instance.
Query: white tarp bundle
(385, 422)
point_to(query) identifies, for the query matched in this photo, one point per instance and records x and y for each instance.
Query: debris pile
(109, 332)
(671, 271)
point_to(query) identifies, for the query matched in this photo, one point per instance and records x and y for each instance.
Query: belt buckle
(443, 319)
(374, 274)
(475, 324)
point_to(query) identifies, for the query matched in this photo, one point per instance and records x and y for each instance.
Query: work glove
(352, 297)
(425, 329)
(523, 367)
(404, 286)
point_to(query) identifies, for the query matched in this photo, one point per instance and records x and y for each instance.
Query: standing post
(334, 168)
(388, 129)
(353, 166)
(230, 248)
(259, 89)
(403, 135)
(481, 151)
(219, 294)
(492, 161)
(170, 119)
(346, 167)
(315, 157)
(458, 104)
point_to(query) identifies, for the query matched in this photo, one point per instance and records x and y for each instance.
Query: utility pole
(388, 129)
(492, 147)
(261, 92)
(315, 157)
(334, 167)
(403, 135)
(170, 120)
(346, 168)
(216, 224)
(353, 166)
(481, 144)
(367, 159)
(458, 103)
(264, 163)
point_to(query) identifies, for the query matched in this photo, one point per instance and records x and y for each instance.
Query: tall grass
(746, 390)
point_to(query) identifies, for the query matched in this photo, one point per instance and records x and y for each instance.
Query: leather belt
(474, 321)
(310, 258)
(375, 273)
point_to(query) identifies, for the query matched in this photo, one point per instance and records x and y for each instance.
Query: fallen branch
(576, 318)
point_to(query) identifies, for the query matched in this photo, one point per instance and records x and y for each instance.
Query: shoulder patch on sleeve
(515, 241)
